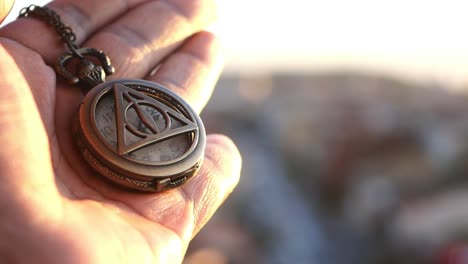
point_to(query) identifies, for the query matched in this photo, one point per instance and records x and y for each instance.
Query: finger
(138, 40)
(84, 17)
(118, 39)
(218, 177)
(5, 7)
(193, 70)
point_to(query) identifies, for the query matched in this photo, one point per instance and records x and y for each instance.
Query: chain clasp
(86, 71)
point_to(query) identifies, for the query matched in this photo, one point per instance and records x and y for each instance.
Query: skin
(54, 208)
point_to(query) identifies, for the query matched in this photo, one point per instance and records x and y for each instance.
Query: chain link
(53, 19)
(85, 71)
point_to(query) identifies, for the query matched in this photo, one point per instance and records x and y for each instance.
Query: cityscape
(340, 168)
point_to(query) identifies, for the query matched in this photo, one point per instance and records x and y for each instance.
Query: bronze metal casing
(121, 168)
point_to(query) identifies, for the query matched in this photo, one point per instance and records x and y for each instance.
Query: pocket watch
(135, 133)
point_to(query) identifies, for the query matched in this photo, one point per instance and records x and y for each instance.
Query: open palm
(54, 208)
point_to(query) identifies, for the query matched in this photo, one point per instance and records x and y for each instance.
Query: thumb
(5, 7)
(26, 173)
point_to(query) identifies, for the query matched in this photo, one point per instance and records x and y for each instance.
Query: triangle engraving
(127, 98)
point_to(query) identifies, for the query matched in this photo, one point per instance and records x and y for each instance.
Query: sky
(419, 40)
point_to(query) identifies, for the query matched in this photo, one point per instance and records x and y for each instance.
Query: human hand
(54, 208)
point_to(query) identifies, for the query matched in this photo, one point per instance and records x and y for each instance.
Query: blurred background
(352, 119)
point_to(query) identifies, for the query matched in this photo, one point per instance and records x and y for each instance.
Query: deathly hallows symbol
(127, 98)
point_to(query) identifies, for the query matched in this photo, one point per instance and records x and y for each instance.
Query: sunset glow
(421, 40)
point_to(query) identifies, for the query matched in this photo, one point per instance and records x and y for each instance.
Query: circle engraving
(141, 128)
